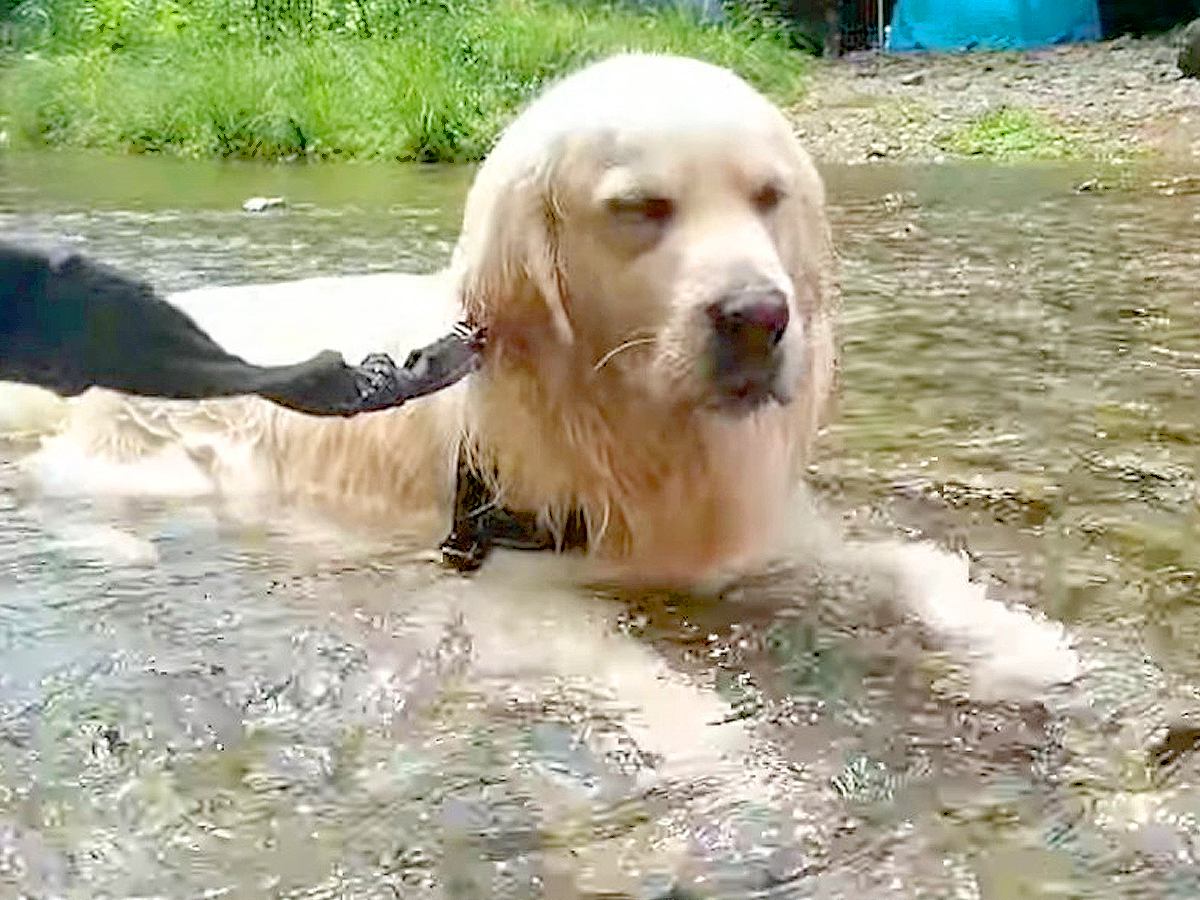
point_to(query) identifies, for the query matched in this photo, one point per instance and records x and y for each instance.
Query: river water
(194, 706)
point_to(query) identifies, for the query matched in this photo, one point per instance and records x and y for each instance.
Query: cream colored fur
(592, 395)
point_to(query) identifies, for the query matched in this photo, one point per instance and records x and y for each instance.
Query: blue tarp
(991, 24)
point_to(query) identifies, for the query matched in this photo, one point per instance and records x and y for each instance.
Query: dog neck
(660, 489)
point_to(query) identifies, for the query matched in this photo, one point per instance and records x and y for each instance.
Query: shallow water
(191, 705)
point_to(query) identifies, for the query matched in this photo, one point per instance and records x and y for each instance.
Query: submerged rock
(1189, 51)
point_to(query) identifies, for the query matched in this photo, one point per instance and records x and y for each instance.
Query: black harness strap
(481, 525)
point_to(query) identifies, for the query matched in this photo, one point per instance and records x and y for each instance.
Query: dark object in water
(480, 524)
(1189, 51)
(68, 323)
(1182, 738)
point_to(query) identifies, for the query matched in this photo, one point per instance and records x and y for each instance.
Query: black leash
(68, 323)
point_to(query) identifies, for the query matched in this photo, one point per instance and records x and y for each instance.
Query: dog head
(651, 224)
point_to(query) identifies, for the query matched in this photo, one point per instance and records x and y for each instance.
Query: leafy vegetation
(369, 79)
(1011, 132)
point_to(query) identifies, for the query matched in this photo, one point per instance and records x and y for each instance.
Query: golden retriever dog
(647, 246)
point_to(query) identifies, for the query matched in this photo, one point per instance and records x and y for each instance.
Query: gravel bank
(1112, 101)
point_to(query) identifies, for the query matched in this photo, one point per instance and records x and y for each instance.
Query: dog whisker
(608, 357)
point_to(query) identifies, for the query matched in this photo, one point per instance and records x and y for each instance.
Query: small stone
(912, 79)
(907, 230)
(262, 204)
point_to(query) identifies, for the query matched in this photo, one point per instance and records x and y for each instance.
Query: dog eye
(768, 197)
(649, 209)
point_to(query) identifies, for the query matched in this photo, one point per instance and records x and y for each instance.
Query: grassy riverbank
(367, 79)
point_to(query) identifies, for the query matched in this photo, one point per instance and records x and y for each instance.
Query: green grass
(362, 79)
(1011, 132)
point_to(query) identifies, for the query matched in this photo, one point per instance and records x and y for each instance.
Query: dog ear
(508, 259)
(814, 267)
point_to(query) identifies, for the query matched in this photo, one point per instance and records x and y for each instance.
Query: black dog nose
(751, 318)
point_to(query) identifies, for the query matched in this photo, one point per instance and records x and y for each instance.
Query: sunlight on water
(192, 704)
